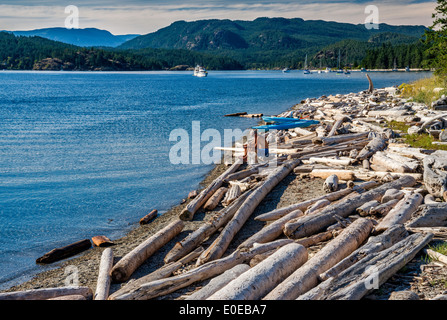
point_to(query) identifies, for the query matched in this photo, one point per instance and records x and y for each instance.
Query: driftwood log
(192, 207)
(220, 245)
(149, 217)
(208, 270)
(306, 277)
(135, 258)
(309, 225)
(430, 215)
(435, 174)
(331, 184)
(261, 279)
(104, 278)
(214, 200)
(65, 252)
(377, 144)
(47, 293)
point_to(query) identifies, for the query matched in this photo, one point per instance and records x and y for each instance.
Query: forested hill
(36, 53)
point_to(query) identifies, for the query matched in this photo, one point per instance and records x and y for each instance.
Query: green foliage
(436, 40)
(405, 55)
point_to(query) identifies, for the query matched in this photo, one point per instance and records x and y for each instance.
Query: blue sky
(138, 16)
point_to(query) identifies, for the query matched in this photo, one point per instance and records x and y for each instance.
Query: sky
(142, 17)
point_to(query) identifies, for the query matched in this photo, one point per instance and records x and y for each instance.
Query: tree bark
(220, 245)
(192, 207)
(104, 279)
(135, 258)
(309, 225)
(306, 277)
(261, 279)
(65, 252)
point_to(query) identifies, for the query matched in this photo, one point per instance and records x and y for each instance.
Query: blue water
(85, 154)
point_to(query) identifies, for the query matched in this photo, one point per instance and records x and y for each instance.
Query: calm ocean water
(85, 154)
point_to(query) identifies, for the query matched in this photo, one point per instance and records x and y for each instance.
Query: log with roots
(435, 174)
(371, 272)
(331, 184)
(192, 207)
(309, 225)
(220, 245)
(375, 244)
(208, 270)
(219, 282)
(261, 279)
(306, 277)
(402, 212)
(130, 262)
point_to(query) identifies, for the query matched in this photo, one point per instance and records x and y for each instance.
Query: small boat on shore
(289, 125)
(285, 70)
(306, 70)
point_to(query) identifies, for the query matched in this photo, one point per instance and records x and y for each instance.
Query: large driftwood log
(192, 207)
(402, 212)
(306, 277)
(261, 279)
(104, 279)
(194, 239)
(326, 173)
(47, 293)
(377, 144)
(365, 209)
(327, 141)
(271, 231)
(220, 245)
(309, 225)
(165, 271)
(430, 215)
(384, 208)
(65, 252)
(381, 159)
(208, 270)
(375, 244)
(371, 272)
(338, 124)
(219, 282)
(135, 258)
(392, 194)
(317, 206)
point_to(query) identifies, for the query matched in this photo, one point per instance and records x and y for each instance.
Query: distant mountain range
(89, 37)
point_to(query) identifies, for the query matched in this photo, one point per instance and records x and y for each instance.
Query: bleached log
(430, 215)
(161, 273)
(327, 141)
(429, 198)
(214, 200)
(374, 269)
(375, 244)
(436, 256)
(208, 270)
(308, 225)
(380, 159)
(410, 163)
(191, 208)
(435, 174)
(232, 194)
(375, 145)
(104, 279)
(402, 212)
(306, 277)
(220, 245)
(278, 213)
(326, 173)
(242, 174)
(261, 279)
(410, 152)
(365, 209)
(271, 231)
(384, 208)
(47, 293)
(392, 194)
(371, 85)
(330, 161)
(219, 282)
(317, 206)
(338, 124)
(331, 184)
(194, 239)
(135, 258)
(315, 239)
(368, 175)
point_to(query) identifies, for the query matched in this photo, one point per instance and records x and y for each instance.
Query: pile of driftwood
(383, 202)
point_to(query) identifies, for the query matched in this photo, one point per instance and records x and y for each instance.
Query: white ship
(200, 72)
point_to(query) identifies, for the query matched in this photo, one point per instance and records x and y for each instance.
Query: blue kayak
(279, 120)
(288, 125)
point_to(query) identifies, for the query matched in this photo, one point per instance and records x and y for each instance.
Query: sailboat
(395, 66)
(306, 71)
(339, 71)
(285, 70)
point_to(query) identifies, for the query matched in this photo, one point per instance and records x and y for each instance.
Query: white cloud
(148, 18)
